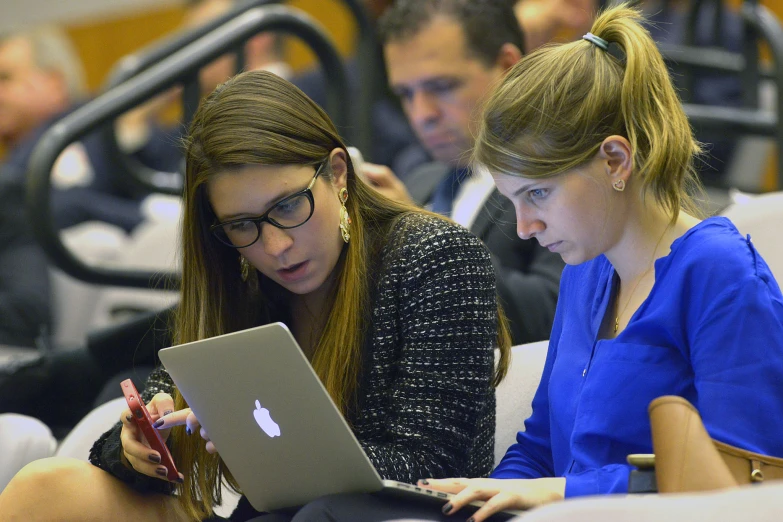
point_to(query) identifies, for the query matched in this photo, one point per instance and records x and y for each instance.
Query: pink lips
(553, 246)
(293, 273)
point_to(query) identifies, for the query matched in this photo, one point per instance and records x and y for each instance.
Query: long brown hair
(555, 107)
(257, 118)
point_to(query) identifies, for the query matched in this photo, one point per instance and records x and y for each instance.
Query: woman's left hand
(192, 425)
(498, 494)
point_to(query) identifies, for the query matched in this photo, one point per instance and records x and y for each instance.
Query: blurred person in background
(668, 21)
(441, 88)
(145, 133)
(24, 278)
(546, 20)
(394, 144)
(41, 80)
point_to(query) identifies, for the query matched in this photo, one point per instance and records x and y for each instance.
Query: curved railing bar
(148, 83)
(357, 125)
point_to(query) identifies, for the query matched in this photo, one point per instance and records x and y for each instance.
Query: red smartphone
(143, 420)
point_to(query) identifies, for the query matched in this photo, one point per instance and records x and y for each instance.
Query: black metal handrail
(760, 25)
(130, 172)
(133, 64)
(129, 94)
(357, 127)
(373, 80)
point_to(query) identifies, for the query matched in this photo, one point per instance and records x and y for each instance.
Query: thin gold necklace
(630, 296)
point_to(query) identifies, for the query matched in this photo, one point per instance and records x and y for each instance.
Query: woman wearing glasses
(395, 308)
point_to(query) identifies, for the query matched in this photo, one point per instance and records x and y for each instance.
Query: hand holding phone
(142, 419)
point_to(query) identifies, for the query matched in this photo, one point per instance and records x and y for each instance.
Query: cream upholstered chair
(152, 246)
(759, 503)
(22, 440)
(762, 218)
(74, 301)
(515, 394)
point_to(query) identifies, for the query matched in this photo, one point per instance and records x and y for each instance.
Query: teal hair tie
(597, 40)
(612, 48)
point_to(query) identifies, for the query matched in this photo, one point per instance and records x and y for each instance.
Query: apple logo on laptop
(265, 421)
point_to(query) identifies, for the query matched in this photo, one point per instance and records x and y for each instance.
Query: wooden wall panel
(101, 43)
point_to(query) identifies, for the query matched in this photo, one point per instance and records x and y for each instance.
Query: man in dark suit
(41, 81)
(25, 311)
(442, 59)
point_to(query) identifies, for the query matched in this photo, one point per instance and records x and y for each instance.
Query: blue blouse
(710, 331)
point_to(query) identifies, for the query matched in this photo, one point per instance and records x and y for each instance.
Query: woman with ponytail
(591, 144)
(395, 308)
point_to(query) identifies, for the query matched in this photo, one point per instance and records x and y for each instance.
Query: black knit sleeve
(441, 402)
(106, 452)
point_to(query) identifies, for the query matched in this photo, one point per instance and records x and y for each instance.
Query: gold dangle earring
(345, 219)
(244, 268)
(619, 185)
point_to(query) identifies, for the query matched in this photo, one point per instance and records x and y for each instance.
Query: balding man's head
(40, 75)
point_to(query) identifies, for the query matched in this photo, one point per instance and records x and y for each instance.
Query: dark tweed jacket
(426, 407)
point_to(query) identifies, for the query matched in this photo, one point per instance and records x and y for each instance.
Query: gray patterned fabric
(425, 404)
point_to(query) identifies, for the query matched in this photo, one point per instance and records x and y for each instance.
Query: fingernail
(129, 418)
(425, 482)
(158, 423)
(154, 458)
(161, 471)
(447, 508)
(167, 412)
(187, 430)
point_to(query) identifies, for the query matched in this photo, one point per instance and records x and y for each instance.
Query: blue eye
(240, 226)
(443, 85)
(538, 193)
(288, 207)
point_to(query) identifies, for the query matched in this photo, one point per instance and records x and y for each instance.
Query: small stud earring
(619, 185)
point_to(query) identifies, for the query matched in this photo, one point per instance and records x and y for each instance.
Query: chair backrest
(515, 394)
(78, 442)
(762, 218)
(152, 246)
(74, 301)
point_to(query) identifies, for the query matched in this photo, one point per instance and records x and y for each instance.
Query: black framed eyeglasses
(291, 212)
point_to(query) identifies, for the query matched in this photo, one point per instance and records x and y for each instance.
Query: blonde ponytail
(557, 105)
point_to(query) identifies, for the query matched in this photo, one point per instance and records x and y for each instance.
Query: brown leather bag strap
(686, 459)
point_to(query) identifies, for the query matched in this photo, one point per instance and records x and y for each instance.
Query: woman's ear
(616, 151)
(338, 160)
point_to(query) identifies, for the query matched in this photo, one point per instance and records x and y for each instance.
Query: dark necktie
(446, 190)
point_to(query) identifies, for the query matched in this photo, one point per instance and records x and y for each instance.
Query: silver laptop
(273, 422)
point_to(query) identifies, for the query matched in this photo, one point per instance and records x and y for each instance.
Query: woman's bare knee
(51, 479)
(69, 489)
